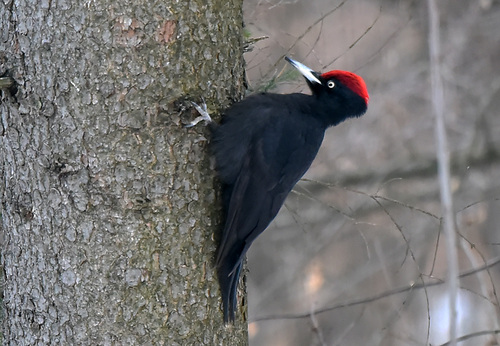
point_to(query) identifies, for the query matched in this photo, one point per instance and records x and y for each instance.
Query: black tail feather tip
(229, 290)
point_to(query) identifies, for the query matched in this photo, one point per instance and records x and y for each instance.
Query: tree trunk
(109, 205)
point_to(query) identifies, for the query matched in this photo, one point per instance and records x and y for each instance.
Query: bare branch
(316, 328)
(386, 294)
(443, 167)
(357, 40)
(374, 196)
(301, 36)
(473, 335)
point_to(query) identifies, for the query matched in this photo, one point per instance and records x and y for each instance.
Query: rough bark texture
(108, 203)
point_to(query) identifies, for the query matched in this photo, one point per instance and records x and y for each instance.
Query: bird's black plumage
(262, 147)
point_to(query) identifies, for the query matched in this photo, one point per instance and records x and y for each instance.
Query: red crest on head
(350, 80)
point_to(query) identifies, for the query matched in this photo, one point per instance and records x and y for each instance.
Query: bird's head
(341, 89)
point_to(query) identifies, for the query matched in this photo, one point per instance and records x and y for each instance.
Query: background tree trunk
(108, 203)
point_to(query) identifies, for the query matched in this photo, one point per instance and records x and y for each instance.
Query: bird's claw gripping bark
(204, 116)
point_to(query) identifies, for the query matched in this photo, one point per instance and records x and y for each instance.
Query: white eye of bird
(330, 84)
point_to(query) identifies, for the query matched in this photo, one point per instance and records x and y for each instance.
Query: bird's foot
(204, 116)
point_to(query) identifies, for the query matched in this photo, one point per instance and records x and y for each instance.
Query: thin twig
(382, 295)
(473, 335)
(357, 40)
(300, 37)
(316, 328)
(372, 196)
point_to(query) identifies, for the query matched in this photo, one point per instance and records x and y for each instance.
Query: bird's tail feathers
(228, 279)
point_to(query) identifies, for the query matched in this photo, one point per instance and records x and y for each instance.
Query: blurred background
(357, 256)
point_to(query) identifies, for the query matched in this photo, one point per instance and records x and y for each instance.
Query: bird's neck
(332, 112)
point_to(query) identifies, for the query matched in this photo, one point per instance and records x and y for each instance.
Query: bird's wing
(231, 141)
(272, 165)
(251, 203)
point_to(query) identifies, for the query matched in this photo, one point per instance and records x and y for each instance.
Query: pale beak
(309, 74)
